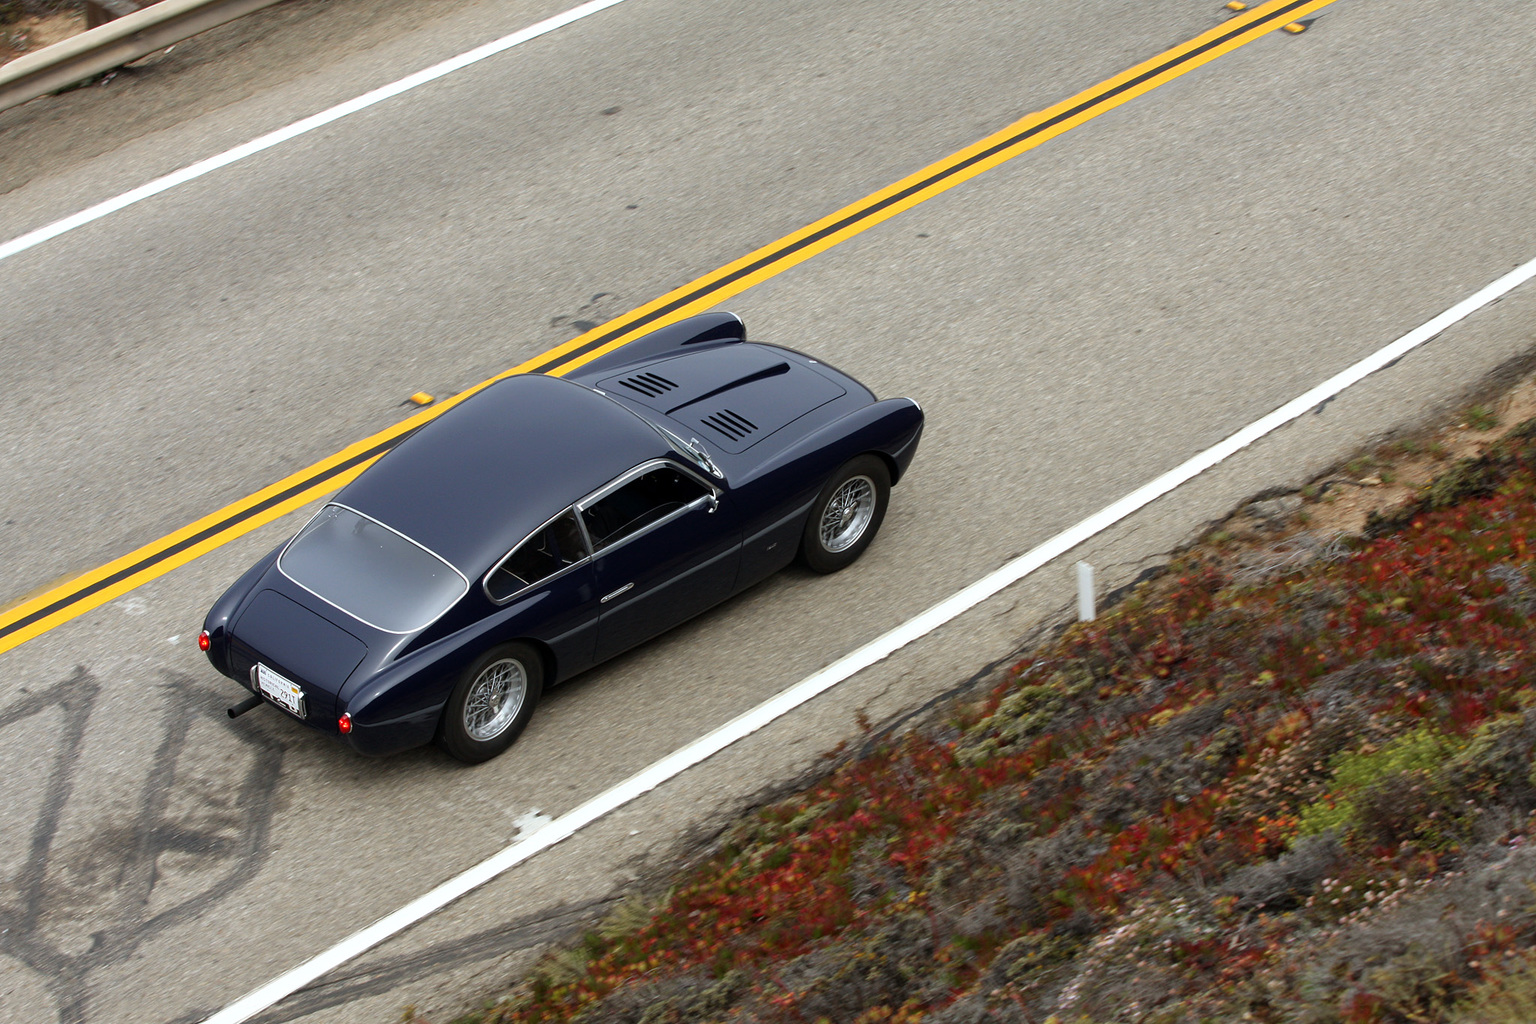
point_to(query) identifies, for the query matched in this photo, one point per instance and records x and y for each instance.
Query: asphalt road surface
(1074, 322)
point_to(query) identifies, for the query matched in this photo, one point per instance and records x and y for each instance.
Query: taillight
(203, 642)
(344, 723)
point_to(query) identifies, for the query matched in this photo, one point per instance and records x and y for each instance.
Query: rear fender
(398, 707)
(225, 608)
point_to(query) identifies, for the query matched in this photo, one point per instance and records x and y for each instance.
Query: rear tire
(491, 703)
(846, 514)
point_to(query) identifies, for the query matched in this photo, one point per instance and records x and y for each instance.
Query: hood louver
(649, 384)
(730, 424)
(732, 397)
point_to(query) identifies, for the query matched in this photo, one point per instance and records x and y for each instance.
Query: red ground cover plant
(1307, 798)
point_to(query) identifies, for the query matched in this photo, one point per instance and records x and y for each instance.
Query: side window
(539, 557)
(644, 500)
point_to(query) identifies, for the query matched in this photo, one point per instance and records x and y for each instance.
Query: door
(548, 585)
(665, 547)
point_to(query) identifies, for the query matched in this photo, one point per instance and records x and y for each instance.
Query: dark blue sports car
(547, 524)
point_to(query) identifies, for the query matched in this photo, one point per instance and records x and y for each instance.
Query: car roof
(488, 472)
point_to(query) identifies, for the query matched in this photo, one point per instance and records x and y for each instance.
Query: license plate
(282, 691)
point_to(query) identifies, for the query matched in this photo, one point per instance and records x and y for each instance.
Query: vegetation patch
(1298, 794)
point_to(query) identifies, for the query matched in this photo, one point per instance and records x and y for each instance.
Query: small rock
(1276, 510)
(1371, 481)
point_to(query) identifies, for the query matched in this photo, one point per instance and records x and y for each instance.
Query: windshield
(371, 572)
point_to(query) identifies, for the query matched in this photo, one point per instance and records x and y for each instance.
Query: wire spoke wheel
(495, 698)
(491, 703)
(848, 514)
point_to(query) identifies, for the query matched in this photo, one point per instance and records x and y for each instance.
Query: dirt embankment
(27, 25)
(1291, 779)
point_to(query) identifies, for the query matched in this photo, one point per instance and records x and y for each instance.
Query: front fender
(891, 427)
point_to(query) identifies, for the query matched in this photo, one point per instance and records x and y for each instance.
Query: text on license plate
(283, 691)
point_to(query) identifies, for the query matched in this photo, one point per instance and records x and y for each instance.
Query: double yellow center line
(59, 604)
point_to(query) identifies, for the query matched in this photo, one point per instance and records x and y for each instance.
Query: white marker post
(1085, 611)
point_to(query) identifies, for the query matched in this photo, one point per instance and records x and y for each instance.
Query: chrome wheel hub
(495, 698)
(848, 514)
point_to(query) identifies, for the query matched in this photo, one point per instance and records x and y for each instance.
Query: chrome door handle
(616, 593)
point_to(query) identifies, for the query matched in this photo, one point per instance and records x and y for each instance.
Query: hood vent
(732, 397)
(732, 425)
(649, 384)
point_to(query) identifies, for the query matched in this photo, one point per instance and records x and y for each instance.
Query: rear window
(369, 571)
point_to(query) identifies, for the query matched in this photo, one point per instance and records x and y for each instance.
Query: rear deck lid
(733, 397)
(310, 649)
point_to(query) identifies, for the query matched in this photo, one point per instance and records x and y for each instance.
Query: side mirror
(697, 448)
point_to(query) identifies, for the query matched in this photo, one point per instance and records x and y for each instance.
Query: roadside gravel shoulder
(222, 66)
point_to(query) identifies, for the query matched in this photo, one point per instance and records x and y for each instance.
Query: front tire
(491, 703)
(846, 515)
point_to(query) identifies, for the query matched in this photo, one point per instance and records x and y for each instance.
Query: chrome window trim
(485, 583)
(624, 478)
(397, 533)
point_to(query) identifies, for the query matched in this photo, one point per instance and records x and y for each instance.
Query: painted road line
(194, 171)
(839, 671)
(36, 615)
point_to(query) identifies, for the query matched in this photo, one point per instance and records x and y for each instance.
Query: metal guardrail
(114, 44)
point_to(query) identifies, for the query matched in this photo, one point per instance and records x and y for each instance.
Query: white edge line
(706, 746)
(308, 124)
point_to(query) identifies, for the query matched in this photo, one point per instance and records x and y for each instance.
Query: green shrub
(1394, 768)
(1480, 417)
